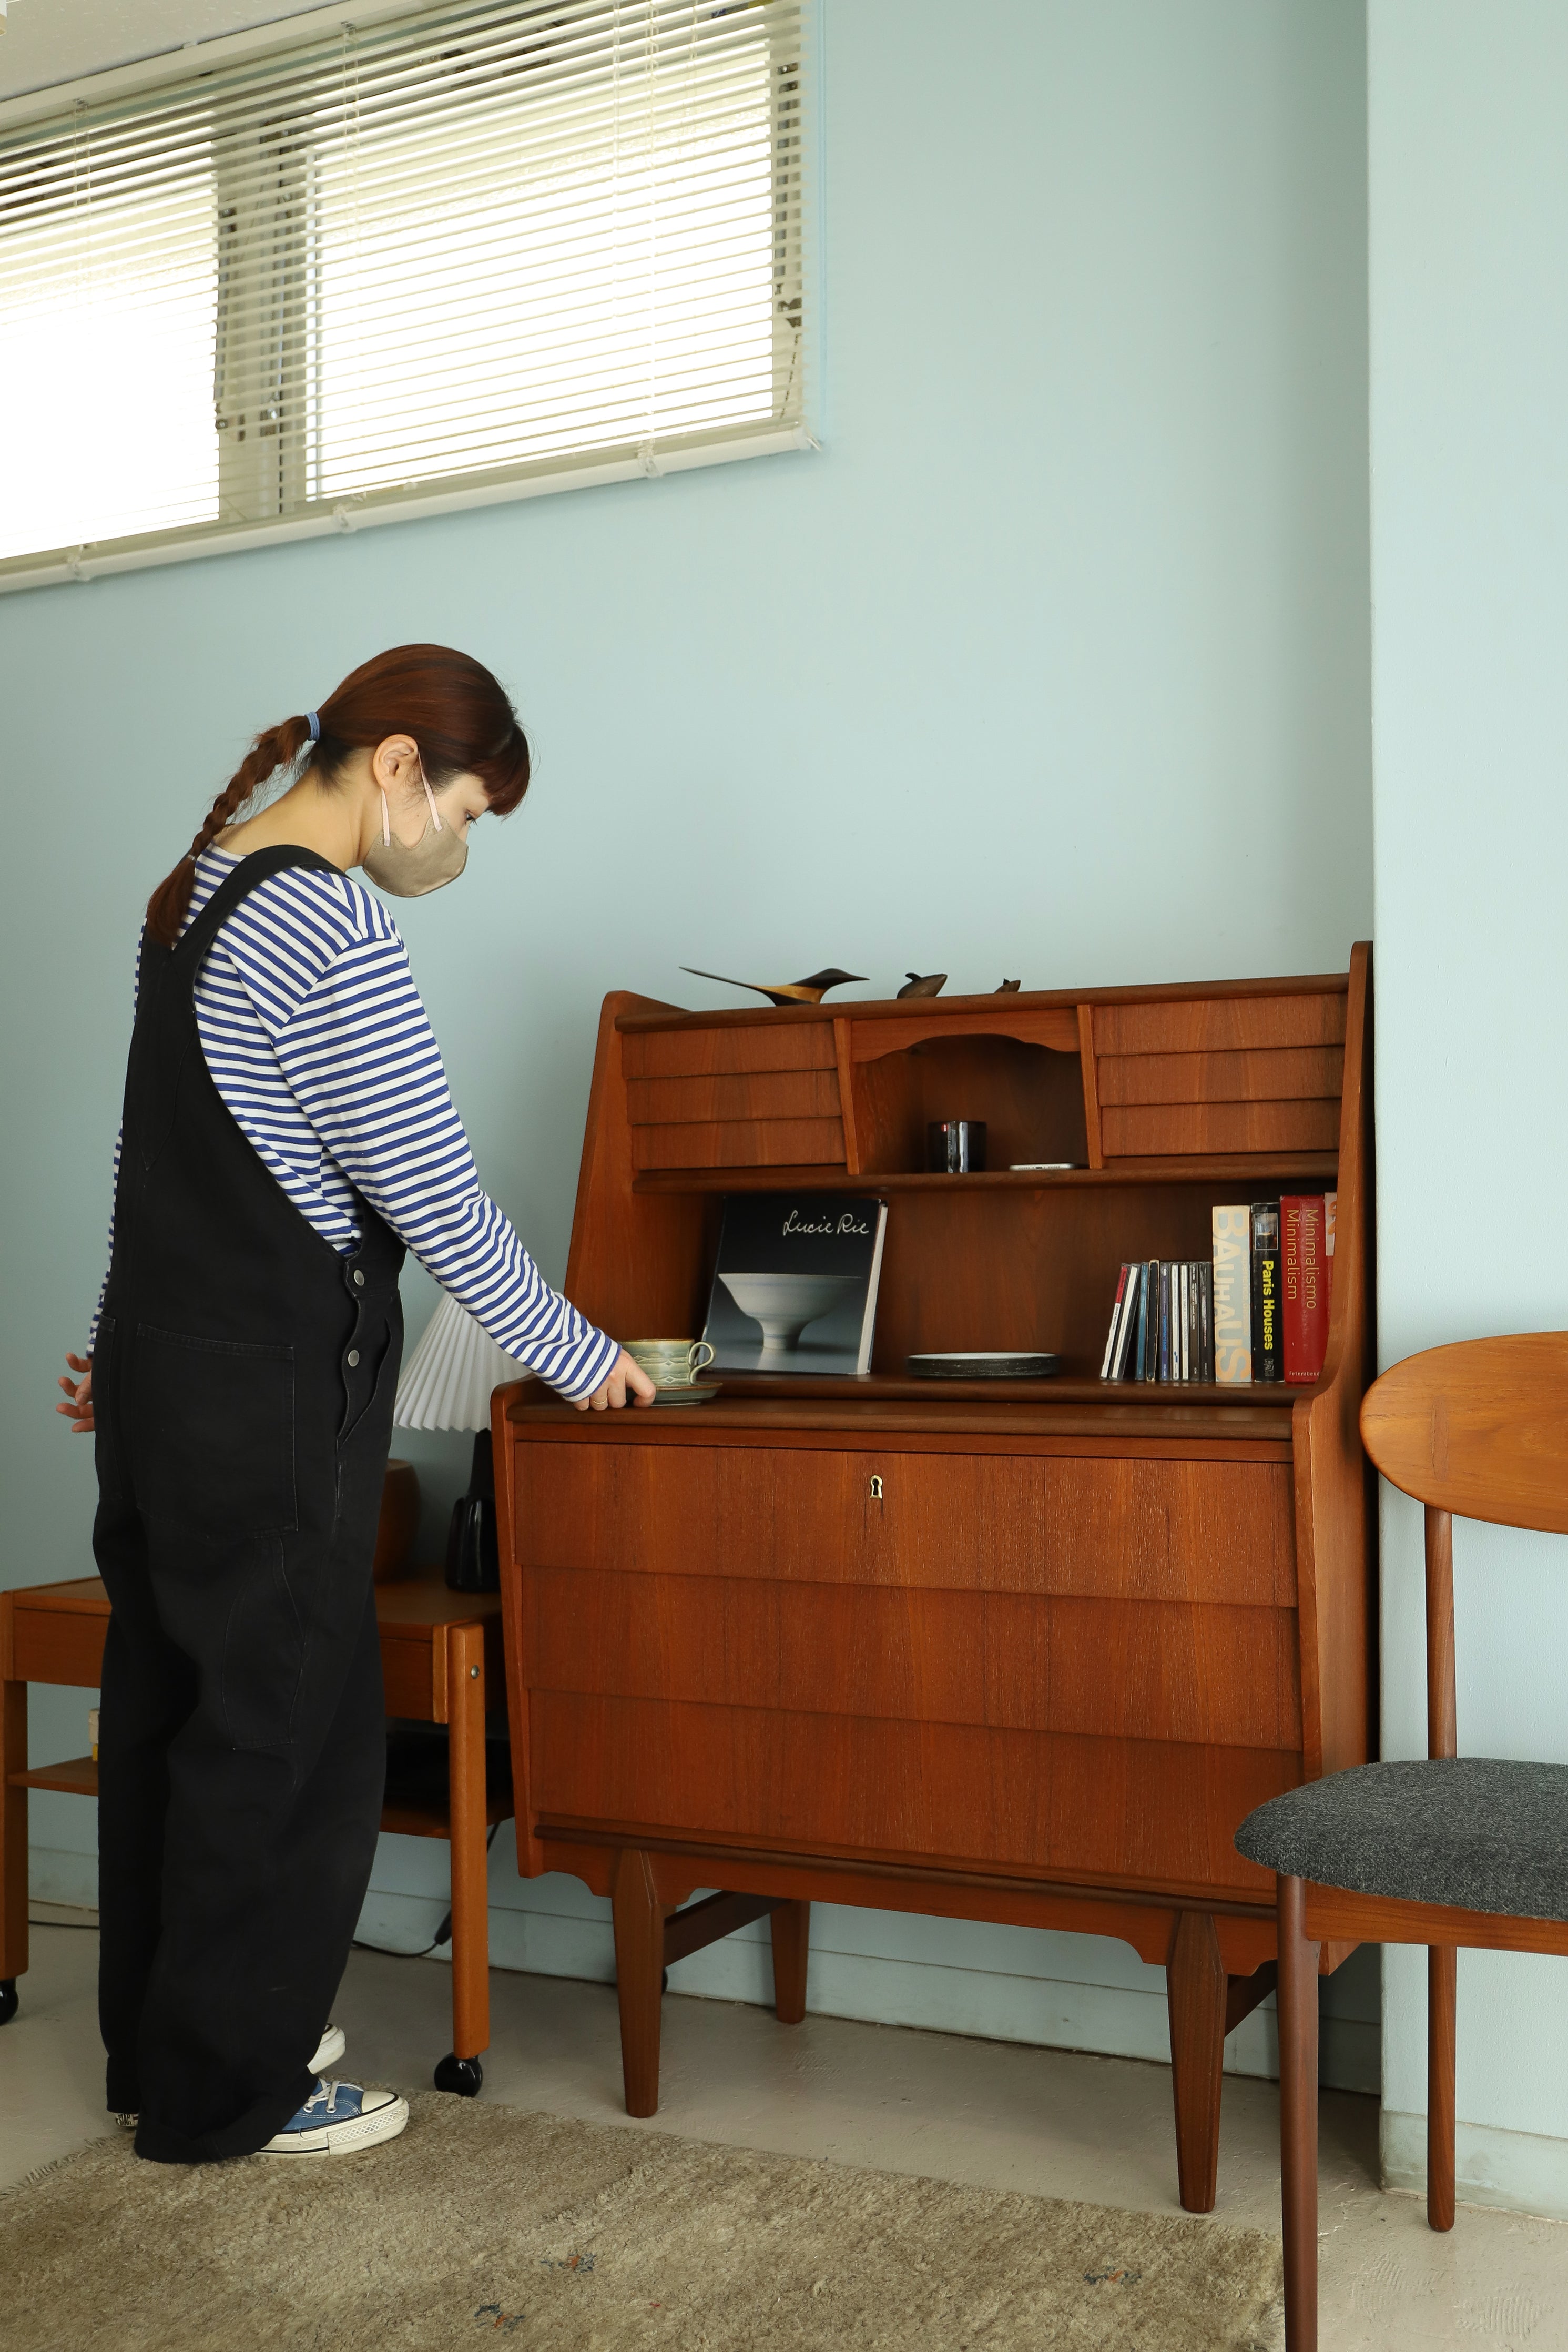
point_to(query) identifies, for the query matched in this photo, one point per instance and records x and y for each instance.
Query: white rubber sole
(347, 2137)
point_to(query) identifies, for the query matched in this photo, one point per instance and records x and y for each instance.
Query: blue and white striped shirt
(318, 1043)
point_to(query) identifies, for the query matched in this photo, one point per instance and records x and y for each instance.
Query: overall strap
(259, 866)
(185, 962)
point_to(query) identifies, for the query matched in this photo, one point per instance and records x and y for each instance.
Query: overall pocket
(230, 1607)
(210, 1425)
(264, 1655)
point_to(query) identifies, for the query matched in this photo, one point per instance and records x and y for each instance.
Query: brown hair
(456, 712)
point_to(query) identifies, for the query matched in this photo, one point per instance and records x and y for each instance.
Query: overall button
(358, 1279)
(353, 1356)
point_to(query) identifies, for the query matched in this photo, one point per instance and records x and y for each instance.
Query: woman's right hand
(628, 1384)
(78, 1393)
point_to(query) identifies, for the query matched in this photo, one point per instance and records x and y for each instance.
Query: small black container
(956, 1147)
(473, 1554)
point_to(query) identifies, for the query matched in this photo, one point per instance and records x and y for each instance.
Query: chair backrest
(1480, 1428)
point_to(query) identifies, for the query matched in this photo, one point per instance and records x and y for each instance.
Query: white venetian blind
(470, 252)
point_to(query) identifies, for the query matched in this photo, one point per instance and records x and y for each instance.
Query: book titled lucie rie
(795, 1286)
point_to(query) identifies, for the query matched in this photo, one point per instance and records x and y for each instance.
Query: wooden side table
(440, 1656)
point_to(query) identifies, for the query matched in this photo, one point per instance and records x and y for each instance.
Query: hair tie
(313, 720)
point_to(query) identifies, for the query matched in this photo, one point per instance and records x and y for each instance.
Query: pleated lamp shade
(447, 1382)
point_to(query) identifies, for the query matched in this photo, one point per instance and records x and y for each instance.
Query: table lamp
(446, 1384)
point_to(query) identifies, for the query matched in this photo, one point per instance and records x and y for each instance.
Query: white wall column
(1468, 299)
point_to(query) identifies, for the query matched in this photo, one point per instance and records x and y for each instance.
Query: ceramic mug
(670, 1363)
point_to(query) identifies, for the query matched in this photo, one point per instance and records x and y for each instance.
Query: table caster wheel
(463, 2076)
(8, 2001)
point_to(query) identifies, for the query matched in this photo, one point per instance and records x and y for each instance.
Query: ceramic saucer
(687, 1392)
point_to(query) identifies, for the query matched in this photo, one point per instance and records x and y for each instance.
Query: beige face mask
(437, 857)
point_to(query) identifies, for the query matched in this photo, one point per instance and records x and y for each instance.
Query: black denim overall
(243, 1378)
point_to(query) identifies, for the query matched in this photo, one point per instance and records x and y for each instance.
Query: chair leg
(639, 1922)
(1298, 2116)
(1442, 1992)
(790, 1925)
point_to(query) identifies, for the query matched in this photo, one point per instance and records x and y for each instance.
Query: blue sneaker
(339, 2119)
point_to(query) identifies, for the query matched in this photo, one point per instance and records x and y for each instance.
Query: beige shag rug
(486, 2221)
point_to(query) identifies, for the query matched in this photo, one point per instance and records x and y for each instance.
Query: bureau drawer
(1183, 1670)
(1123, 1529)
(1146, 1811)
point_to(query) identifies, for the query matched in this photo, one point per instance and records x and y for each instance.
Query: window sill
(587, 472)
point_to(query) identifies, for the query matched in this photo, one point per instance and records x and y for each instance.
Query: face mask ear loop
(430, 796)
(386, 821)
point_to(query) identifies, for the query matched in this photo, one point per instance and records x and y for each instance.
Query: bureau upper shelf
(1257, 1169)
(1164, 1103)
(1108, 1079)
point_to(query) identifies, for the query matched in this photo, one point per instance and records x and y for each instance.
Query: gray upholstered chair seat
(1469, 1831)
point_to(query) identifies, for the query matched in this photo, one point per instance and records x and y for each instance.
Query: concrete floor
(1053, 2123)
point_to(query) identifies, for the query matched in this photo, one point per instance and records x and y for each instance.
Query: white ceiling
(47, 41)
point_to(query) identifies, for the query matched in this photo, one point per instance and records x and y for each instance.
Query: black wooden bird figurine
(809, 990)
(929, 983)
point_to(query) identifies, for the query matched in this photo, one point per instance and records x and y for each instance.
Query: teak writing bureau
(1024, 1652)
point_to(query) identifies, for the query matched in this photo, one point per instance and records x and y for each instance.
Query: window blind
(471, 253)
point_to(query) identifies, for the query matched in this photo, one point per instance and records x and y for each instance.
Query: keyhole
(876, 1490)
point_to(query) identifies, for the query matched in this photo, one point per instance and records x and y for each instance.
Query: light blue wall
(1052, 663)
(1469, 390)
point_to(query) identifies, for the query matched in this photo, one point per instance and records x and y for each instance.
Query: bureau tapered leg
(1196, 1989)
(791, 1926)
(639, 1917)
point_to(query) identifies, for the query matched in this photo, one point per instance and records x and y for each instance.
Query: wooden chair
(1455, 1849)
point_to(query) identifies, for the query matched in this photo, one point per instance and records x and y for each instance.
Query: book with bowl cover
(794, 1289)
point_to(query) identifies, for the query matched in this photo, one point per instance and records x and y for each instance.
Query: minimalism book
(795, 1286)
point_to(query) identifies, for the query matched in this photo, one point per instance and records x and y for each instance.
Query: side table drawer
(56, 1645)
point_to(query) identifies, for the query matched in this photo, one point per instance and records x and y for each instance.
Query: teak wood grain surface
(1026, 1652)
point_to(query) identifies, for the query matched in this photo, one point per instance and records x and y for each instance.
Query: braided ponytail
(275, 746)
(455, 709)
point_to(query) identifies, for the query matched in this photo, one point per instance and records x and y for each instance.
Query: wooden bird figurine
(809, 990)
(930, 983)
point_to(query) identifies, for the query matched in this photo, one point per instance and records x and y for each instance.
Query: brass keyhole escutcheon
(876, 1490)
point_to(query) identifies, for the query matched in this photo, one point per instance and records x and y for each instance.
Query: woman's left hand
(78, 1393)
(628, 1384)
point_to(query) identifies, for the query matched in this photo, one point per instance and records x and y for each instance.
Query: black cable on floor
(443, 1933)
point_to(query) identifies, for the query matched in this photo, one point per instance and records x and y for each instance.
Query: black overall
(242, 1381)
